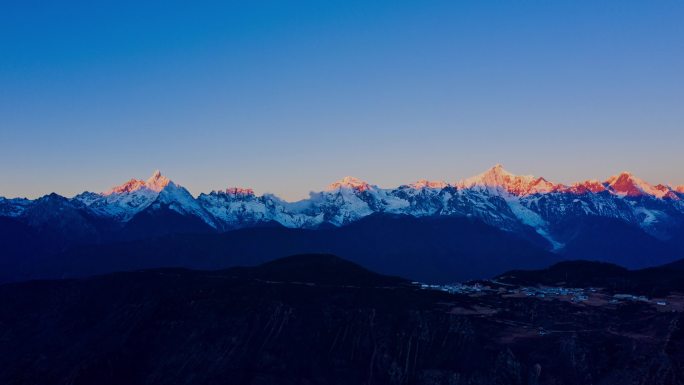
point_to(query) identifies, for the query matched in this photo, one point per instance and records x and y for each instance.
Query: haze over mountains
(623, 220)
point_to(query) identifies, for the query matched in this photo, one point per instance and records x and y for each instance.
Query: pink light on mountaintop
(627, 184)
(130, 186)
(156, 183)
(498, 177)
(588, 186)
(351, 183)
(424, 183)
(665, 192)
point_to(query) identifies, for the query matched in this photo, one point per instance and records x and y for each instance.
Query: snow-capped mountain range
(510, 202)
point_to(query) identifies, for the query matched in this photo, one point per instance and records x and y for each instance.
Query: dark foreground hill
(320, 320)
(434, 249)
(654, 281)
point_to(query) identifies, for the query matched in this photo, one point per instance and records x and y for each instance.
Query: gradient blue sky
(286, 96)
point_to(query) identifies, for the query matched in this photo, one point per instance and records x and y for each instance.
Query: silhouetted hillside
(284, 323)
(652, 281)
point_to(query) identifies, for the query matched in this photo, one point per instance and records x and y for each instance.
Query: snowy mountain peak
(588, 186)
(498, 178)
(349, 182)
(627, 184)
(680, 189)
(623, 176)
(130, 186)
(665, 192)
(128, 199)
(424, 183)
(499, 168)
(498, 171)
(541, 185)
(157, 181)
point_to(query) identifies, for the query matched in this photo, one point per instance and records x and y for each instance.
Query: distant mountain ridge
(496, 197)
(622, 220)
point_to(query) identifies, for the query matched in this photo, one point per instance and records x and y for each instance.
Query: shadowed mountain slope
(442, 249)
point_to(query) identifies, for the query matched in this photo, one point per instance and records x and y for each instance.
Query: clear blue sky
(286, 96)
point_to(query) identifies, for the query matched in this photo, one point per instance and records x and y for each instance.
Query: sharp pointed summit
(494, 176)
(626, 184)
(498, 178)
(157, 181)
(128, 199)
